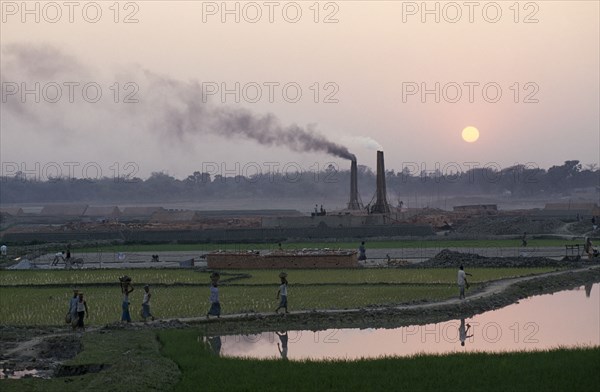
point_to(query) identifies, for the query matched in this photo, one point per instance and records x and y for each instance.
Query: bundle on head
(215, 276)
(283, 275)
(125, 279)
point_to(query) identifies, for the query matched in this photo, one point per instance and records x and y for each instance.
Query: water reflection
(463, 331)
(564, 319)
(283, 349)
(215, 344)
(588, 290)
(18, 374)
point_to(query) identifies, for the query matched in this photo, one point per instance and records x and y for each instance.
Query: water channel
(568, 318)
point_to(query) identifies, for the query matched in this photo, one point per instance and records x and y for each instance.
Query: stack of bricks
(281, 261)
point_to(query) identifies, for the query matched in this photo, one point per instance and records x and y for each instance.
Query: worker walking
(362, 252)
(126, 289)
(82, 311)
(146, 304)
(283, 292)
(72, 315)
(462, 281)
(215, 305)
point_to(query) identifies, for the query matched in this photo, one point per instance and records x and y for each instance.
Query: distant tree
(560, 177)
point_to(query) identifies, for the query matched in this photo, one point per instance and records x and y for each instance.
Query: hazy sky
(366, 72)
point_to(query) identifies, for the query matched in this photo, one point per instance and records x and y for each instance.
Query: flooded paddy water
(569, 318)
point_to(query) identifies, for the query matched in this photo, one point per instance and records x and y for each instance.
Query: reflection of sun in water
(470, 134)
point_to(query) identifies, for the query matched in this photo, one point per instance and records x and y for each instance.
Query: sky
(154, 86)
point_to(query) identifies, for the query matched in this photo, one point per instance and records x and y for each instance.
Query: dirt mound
(447, 256)
(451, 259)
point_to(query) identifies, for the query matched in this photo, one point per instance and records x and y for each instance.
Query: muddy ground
(35, 351)
(42, 351)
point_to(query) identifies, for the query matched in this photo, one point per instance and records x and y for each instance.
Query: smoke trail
(363, 142)
(171, 107)
(268, 131)
(185, 113)
(42, 61)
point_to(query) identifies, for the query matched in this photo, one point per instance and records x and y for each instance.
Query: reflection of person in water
(283, 350)
(463, 331)
(214, 343)
(588, 290)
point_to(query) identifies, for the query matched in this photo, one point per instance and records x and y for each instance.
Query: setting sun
(470, 134)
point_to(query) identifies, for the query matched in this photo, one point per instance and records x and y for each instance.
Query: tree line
(514, 181)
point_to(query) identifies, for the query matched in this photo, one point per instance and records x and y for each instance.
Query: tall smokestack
(381, 205)
(354, 203)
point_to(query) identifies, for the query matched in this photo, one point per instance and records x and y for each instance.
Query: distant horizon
(249, 169)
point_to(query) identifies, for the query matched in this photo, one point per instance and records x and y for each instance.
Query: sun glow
(470, 134)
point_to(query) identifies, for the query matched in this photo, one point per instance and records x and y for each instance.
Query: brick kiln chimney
(354, 203)
(381, 205)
